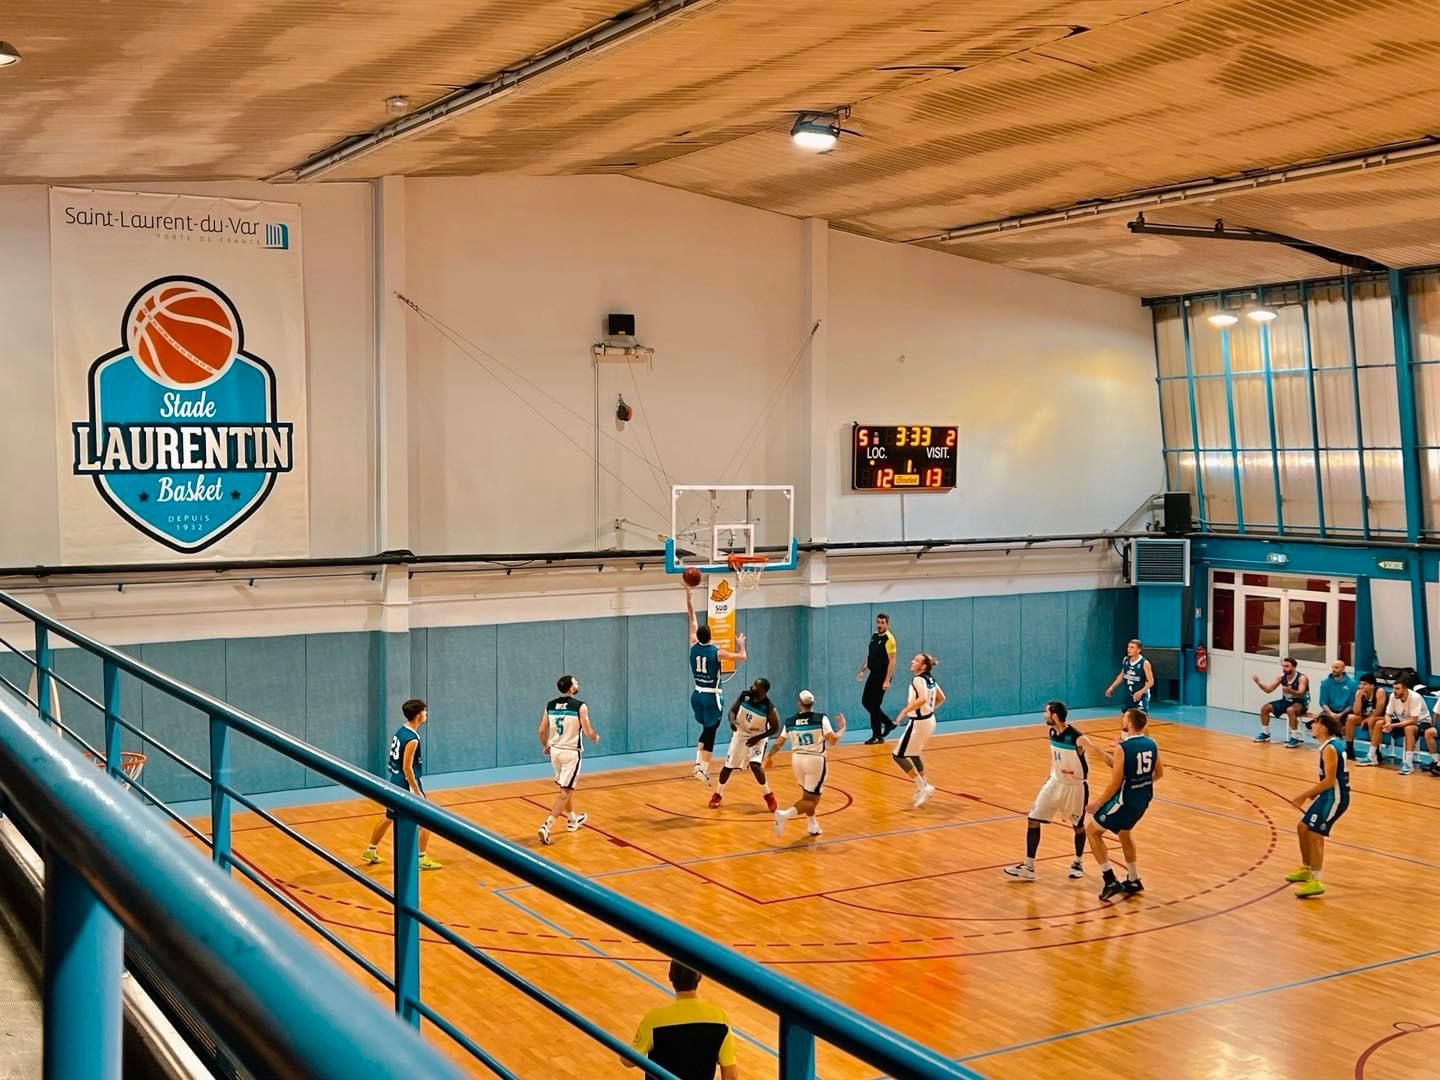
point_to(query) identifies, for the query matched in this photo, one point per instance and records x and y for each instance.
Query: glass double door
(1257, 620)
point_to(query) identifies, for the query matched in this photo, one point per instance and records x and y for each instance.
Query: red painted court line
(849, 801)
(1297, 779)
(1400, 1033)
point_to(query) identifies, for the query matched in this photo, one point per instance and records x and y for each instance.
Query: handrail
(281, 1005)
(804, 1013)
(513, 560)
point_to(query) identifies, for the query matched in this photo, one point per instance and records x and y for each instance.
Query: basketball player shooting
(706, 699)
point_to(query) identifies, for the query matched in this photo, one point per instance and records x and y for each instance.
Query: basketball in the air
(692, 576)
(182, 333)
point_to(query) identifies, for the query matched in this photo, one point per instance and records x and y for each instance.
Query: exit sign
(1391, 564)
(1278, 558)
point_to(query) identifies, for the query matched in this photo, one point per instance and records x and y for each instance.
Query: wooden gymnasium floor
(1217, 971)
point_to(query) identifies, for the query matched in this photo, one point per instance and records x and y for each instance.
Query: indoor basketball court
(922, 517)
(904, 913)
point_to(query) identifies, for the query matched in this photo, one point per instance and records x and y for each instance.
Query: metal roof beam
(1385, 157)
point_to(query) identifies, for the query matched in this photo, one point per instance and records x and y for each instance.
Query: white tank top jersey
(807, 733)
(752, 719)
(922, 688)
(564, 713)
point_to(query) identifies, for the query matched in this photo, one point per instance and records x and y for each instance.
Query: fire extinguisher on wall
(1202, 658)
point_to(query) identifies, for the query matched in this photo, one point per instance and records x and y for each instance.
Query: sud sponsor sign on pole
(180, 376)
(720, 615)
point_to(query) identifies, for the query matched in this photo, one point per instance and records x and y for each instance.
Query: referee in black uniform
(880, 664)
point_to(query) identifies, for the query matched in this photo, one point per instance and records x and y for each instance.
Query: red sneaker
(715, 801)
(770, 803)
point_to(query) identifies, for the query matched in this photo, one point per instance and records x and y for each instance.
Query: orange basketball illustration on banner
(182, 333)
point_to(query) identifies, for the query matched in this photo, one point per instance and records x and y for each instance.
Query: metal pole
(1160, 397)
(1270, 416)
(797, 1051)
(110, 683)
(1314, 406)
(1359, 423)
(219, 801)
(1194, 420)
(1234, 449)
(84, 955)
(44, 689)
(1410, 462)
(407, 927)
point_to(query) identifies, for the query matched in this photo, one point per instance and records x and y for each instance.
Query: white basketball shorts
(740, 756)
(566, 764)
(1060, 800)
(914, 736)
(809, 772)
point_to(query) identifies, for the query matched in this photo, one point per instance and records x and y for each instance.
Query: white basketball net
(747, 574)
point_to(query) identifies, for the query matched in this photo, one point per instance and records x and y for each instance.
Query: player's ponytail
(928, 663)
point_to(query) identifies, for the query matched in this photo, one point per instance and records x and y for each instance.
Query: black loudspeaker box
(620, 325)
(1178, 521)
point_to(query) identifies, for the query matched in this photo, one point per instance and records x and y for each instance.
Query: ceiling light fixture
(816, 131)
(8, 54)
(1223, 318)
(1262, 314)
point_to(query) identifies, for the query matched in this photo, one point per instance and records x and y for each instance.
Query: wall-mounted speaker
(1178, 520)
(619, 325)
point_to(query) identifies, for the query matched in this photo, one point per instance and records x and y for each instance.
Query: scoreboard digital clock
(903, 457)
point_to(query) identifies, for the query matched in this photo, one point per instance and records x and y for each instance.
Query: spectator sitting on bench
(1371, 701)
(1337, 699)
(1293, 701)
(1404, 719)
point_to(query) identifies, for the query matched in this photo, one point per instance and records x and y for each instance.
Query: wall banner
(180, 376)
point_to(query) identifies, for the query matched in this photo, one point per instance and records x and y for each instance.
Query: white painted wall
(340, 338)
(1052, 385)
(526, 268)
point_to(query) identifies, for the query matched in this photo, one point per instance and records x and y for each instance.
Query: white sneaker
(923, 795)
(544, 832)
(1020, 872)
(780, 818)
(702, 774)
(814, 828)
(576, 822)
(1077, 869)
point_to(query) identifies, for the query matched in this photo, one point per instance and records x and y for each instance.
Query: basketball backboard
(710, 522)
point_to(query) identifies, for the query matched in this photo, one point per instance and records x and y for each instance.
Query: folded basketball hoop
(131, 764)
(748, 569)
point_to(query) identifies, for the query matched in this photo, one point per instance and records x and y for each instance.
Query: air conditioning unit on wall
(1159, 562)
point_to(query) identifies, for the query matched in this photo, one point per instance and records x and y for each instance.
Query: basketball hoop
(748, 569)
(131, 764)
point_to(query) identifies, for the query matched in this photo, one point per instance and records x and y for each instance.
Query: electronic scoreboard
(903, 457)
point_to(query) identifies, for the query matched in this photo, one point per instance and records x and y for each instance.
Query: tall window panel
(1290, 424)
(1424, 297)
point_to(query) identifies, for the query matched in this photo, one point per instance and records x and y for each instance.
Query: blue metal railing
(804, 1015)
(111, 869)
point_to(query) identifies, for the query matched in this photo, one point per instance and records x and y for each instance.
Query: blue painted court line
(1202, 1005)
(666, 990)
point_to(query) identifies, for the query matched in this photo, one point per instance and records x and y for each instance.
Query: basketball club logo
(182, 439)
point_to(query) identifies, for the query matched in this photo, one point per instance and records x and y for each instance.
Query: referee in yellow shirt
(880, 664)
(689, 1036)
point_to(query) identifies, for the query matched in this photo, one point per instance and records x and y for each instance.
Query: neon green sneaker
(1300, 873)
(427, 863)
(370, 855)
(1309, 888)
